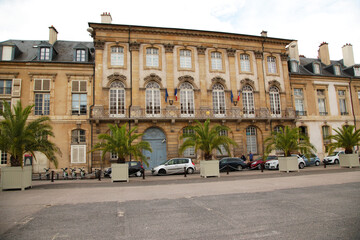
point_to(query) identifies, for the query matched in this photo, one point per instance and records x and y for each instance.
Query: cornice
(70, 75)
(169, 48)
(49, 75)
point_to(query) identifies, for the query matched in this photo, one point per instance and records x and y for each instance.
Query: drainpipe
(130, 84)
(91, 123)
(263, 68)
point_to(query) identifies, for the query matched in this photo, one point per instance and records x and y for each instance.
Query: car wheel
(317, 163)
(301, 165)
(138, 174)
(336, 161)
(162, 172)
(240, 167)
(190, 171)
(259, 166)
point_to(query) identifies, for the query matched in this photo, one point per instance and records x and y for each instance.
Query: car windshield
(333, 154)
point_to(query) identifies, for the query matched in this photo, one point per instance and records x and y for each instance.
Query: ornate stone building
(162, 80)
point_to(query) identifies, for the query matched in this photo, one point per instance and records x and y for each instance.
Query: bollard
(52, 176)
(262, 166)
(99, 172)
(227, 169)
(57, 176)
(39, 176)
(324, 163)
(184, 171)
(143, 173)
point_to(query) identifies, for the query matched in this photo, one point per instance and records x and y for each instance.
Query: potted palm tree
(121, 142)
(346, 137)
(19, 136)
(207, 140)
(288, 140)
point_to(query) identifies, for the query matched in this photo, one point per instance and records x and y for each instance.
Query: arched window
(117, 56)
(189, 152)
(78, 146)
(152, 98)
(248, 101)
(187, 99)
(245, 63)
(251, 142)
(274, 101)
(117, 99)
(218, 99)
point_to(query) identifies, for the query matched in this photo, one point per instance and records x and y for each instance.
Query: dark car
(256, 164)
(135, 168)
(235, 164)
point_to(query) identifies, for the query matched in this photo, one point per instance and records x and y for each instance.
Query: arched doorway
(157, 139)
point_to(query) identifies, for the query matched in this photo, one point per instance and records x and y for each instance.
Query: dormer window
(316, 68)
(80, 55)
(294, 66)
(7, 53)
(337, 70)
(357, 71)
(44, 53)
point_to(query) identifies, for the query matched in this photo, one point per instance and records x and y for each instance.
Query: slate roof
(64, 50)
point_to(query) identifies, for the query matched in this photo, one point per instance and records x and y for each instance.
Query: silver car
(175, 165)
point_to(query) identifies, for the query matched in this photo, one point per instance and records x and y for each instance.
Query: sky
(311, 22)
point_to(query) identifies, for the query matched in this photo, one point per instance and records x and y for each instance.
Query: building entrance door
(157, 140)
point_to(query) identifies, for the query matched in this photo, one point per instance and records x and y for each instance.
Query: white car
(274, 164)
(333, 158)
(175, 165)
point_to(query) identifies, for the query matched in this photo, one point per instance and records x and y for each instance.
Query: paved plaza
(315, 203)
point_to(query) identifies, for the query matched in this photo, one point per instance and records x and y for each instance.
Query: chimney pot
(106, 17)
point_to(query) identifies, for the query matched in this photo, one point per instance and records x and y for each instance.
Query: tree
(120, 141)
(19, 136)
(206, 139)
(346, 137)
(289, 140)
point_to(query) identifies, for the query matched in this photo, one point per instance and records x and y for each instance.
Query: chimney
(52, 35)
(348, 55)
(324, 53)
(293, 51)
(106, 17)
(263, 33)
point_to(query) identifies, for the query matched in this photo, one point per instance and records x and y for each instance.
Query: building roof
(28, 50)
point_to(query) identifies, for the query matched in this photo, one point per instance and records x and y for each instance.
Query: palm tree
(19, 136)
(206, 139)
(346, 137)
(120, 141)
(289, 140)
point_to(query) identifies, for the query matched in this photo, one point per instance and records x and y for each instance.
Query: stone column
(261, 79)
(289, 103)
(135, 72)
(98, 109)
(169, 55)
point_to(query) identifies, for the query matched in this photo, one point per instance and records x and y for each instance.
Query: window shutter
(75, 86)
(46, 85)
(74, 154)
(83, 86)
(82, 154)
(16, 87)
(37, 85)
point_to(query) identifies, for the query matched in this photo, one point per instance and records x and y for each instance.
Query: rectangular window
(3, 158)
(42, 103)
(79, 97)
(1, 104)
(189, 152)
(271, 61)
(325, 132)
(6, 53)
(5, 86)
(216, 61)
(44, 53)
(245, 63)
(80, 55)
(117, 56)
(223, 150)
(359, 96)
(316, 68)
(42, 84)
(321, 102)
(299, 102)
(152, 57)
(342, 102)
(357, 71)
(337, 70)
(78, 153)
(185, 59)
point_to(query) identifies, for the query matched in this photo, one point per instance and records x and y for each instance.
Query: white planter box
(16, 177)
(209, 168)
(119, 172)
(349, 160)
(288, 164)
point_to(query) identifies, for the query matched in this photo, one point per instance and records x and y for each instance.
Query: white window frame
(248, 101)
(117, 97)
(216, 61)
(7, 86)
(357, 71)
(294, 66)
(44, 53)
(42, 105)
(316, 68)
(299, 101)
(275, 104)
(342, 102)
(7, 53)
(218, 96)
(185, 58)
(153, 99)
(321, 102)
(271, 62)
(76, 152)
(81, 94)
(251, 140)
(152, 57)
(80, 55)
(187, 108)
(223, 150)
(117, 56)
(337, 70)
(190, 151)
(3, 158)
(245, 62)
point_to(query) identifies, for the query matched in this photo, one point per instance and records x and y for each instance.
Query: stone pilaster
(169, 56)
(231, 56)
(202, 72)
(99, 63)
(261, 79)
(134, 48)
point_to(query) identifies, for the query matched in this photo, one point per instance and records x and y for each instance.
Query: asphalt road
(272, 208)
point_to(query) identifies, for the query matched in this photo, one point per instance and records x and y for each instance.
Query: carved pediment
(247, 81)
(152, 77)
(275, 83)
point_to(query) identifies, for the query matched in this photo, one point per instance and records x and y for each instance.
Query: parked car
(257, 163)
(311, 160)
(233, 163)
(135, 168)
(274, 164)
(333, 158)
(174, 165)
